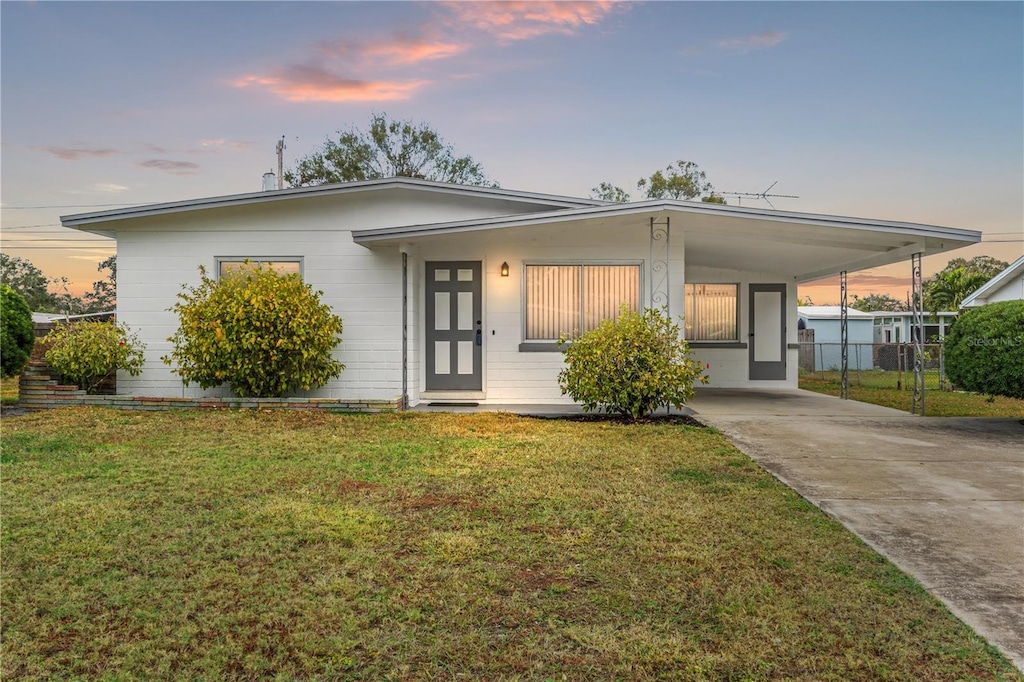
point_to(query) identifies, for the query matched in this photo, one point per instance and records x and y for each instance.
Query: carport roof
(801, 246)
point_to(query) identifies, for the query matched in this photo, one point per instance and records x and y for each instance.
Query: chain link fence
(879, 365)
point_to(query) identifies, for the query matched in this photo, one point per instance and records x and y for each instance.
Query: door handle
(479, 338)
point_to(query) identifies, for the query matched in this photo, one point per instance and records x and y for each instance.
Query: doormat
(452, 404)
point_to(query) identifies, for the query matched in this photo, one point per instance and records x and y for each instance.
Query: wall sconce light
(504, 269)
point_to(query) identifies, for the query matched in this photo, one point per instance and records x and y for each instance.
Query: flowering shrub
(86, 353)
(630, 366)
(262, 333)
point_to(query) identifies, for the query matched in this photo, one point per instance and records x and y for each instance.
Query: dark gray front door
(454, 338)
(767, 337)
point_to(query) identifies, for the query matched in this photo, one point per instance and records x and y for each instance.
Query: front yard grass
(8, 390)
(241, 545)
(880, 388)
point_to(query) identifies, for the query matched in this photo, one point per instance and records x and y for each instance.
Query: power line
(33, 208)
(53, 248)
(70, 240)
(29, 234)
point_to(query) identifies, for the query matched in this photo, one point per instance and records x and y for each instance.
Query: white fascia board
(500, 222)
(657, 207)
(1012, 270)
(80, 220)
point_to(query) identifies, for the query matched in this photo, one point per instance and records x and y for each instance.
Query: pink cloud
(521, 19)
(76, 153)
(401, 50)
(301, 83)
(357, 70)
(744, 44)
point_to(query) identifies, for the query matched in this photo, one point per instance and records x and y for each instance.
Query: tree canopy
(873, 302)
(680, 180)
(103, 296)
(606, 191)
(50, 295)
(958, 280)
(29, 281)
(389, 148)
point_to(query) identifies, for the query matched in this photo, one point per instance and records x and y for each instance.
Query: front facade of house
(453, 293)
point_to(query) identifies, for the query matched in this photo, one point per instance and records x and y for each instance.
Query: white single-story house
(1008, 285)
(826, 321)
(459, 293)
(895, 327)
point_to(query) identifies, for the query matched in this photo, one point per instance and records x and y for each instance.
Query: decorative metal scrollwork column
(917, 333)
(658, 263)
(844, 337)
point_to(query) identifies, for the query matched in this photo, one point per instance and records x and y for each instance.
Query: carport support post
(661, 287)
(844, 347)
(405, 330)
(917, 334)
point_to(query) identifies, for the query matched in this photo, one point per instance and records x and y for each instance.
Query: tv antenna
(280, 163)
(763, 196)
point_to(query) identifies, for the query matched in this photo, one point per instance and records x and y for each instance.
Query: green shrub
(262, 333)
(631, 366)
(17, 333)
(985, 350)
(86, 353)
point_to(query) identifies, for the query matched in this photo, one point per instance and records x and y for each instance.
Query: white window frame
(697, 342)
(260, 260)
(551, 344)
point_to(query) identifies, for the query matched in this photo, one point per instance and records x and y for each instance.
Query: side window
(283, 266)
(711, 312)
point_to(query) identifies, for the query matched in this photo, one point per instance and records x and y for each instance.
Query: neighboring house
(460, 293)
(894, 327)
(44, 323)
(1008, 285)
(46, 318)
(826, 321)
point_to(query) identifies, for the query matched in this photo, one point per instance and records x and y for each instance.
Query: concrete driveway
(943, 498)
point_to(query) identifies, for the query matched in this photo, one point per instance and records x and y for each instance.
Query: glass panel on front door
(454, 334)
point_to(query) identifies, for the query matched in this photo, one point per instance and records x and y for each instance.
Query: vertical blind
(569, 299)
(605, 289)
(710, 312)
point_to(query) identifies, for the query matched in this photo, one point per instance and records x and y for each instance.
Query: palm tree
(948, 288)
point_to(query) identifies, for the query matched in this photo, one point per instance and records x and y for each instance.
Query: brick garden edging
(38, 391)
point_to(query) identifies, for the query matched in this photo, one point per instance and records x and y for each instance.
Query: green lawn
(241, 545)
(8, 390)
(891, 389)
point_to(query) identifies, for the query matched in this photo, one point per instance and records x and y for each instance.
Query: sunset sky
(903, 111)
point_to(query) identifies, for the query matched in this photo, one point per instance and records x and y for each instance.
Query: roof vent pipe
(269, 181)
